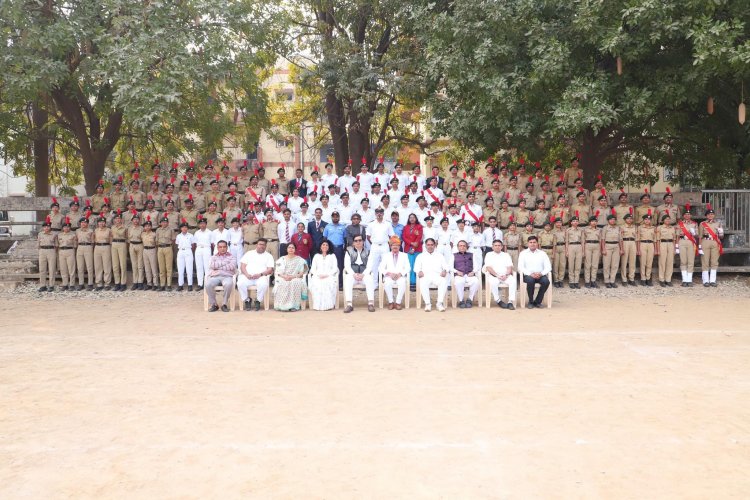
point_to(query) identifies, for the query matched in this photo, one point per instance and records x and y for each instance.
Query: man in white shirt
(405, 209)
(434, 193)
(346, 180)
(471, 212)
(202, 239)
(185, 244)
(394, 267)
(358, 270)
(355, 194)
(432, 269)
(286, 228)
(365, 178)
(491, 233)
(403, 178)
(315, 186)
(295, 202)
(327, 208)
(346, 210)
(378, 233)
(499, 269)
(220, 233)
(329, 177)
(534, 265)
(416, 176)
(313, 201)
(304, 215)
(366, 213)
(461, 233)
(255, 268)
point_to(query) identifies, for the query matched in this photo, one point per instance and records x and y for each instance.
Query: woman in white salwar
(324, 278)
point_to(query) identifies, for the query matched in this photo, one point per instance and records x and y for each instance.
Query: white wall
(11, 185)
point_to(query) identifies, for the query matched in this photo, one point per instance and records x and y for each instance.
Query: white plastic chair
(488, 293)
(231, 303)
(523, 296)
(454, 296)
(381, 292)
(309, 291)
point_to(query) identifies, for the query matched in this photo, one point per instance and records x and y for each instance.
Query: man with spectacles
(221, 269)
(358, 271)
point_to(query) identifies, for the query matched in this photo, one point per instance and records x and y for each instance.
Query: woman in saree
(290, 281)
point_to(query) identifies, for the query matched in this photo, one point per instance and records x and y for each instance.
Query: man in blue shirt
(335, 233)
(397, 228)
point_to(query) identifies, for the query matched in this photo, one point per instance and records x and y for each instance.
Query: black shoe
(99, 288)
(538, 305)
(461, 305)
(684, 284)
(224, 308)
(530, 305)
(608, 285)
(50, 288)
(510, 307)
(502, 304)
(199, 289)
(91, 288)
(690, 284)
(42, 289)
(662, 284)
(246, 305)
(213, 308)
(190, 288)
(668, 283)
(650, 283)
(707, 285)
(64, 288)
(257, 305)
(134, 287)
(572, 285)
(123, 288)
(714, 284)
(469, 304)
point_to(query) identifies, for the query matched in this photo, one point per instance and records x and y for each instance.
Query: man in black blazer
(435, 174)
(298, 183)
(315, 230)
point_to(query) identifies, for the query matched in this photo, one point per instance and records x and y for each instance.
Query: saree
(288, 294)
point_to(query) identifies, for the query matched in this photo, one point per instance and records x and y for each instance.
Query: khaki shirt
(148, 238)
(612, 234)
(703, 234)
(164, 236)
(85, 235)
(134, 234)
(270, 230)
(559, 235)
(102, 235)
(119, 233)
(640, 211)
(547, 240)
(646, 233)
(117, 200)
(139, 198)
(590, 234)
(574, 235)
(583, 210)
(67, 240)
(628, 233)
(47, 240)
(251, 233)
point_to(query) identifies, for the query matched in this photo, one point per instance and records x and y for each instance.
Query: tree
(360, 55)
(114, 69)
(525, 74)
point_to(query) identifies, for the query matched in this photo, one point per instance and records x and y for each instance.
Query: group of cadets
(160, 219)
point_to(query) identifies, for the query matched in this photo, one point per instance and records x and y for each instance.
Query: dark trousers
(338, 251)
(282, 249)
(530, 283)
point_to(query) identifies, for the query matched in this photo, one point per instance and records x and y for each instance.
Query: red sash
(473, 215)
(253, 194)
(688, 235)
(274, 203)
(714, 237)
(429, 191)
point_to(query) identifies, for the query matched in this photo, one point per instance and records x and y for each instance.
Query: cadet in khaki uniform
(527, 232)
(504, 215)
(118, 197)
(164, 240)
(710, 234)
(592, 252)
(119, 253)
(135, 194)
(665, 245)
(173, 218)
(150, 213)
(644, 208)
(547, 240)
(150, 262)
(581, 208)
(559, 263)
(55, 217)
(74, 214)
(646, 243)
(611, 250)
(540, 218)
(98, 199)
(630, 251)
(47, 242)
(190, 215)
(270, 232)
(574, 252)
(561, 211)
(66, 256)
(102, 255)
(135, 249)
(85, 253)
(668, 208)
(622, 208)
(512, 241)
(211, 216)
(251, 233)
(521, 215)
(687, 232)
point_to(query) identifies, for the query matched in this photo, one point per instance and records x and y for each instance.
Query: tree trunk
(93, 170)
(359, 139)
(591, 156)
(337, 124)
(39, 117)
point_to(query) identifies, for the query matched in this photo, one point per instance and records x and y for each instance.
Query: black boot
(190, 288)
(42, 289)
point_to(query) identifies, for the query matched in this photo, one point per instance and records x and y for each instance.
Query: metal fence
(732, 205)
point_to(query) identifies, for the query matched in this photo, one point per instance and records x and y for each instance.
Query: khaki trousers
(136, 262)
(710, 257)
(166, 257)
(85, 259)
(611, 262)
(666, 261)
(67, 260)
(272, 247)
(647, 260)
(47, 266)
(151, 266)
(575, 258)
(687, 255)
(593, 253)
(120, 263)
(103, 265)
(627, 261)
(559, 263)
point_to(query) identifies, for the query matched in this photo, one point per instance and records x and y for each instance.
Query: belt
(148, 248)
(707, 238)
(203, 246)
(184, 249)
(118, 241)
(512, 205)
(559, 244)
(249, 243)
(538, 227)
(101, 244)
(667, 241)
(647, 241)
(273, 240)
(571, 187)
(192, 227)
(628, 239)
(592, 241)
(65, 248)
(85, 244)
(600, 226)
(574, 243)
(47, 247)
(547, 247)
(511, 248)
(685, 238)
(164, 246)
(611, 242)
(136, 242)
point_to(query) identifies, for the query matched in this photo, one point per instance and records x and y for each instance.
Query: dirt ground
(595, 398)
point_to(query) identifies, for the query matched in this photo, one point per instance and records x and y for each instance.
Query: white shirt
(318, 187)
(312, 205)
(368, 216)
(282, 229)
(429, 232)
(453, 221)
(365, 182)
(276, 198)
(444, 236)
(437, 193)
(202, 238)
(218, 235)
(499, 262)
(345, 183)
(184, 241)
(293, 204)
(235, 236)
(328, 179)
(303, 218)
(256, 263)
(379, 232)
(491, 235)
(355, 199)
(413, 197)
(327, 211)
(403, 213)
(430, 263)
(476, 241)
(457, 236)
(476, 210)
(346, 212)
(400, 266)
(534, 262)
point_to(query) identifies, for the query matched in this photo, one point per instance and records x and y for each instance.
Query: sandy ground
(595, 398)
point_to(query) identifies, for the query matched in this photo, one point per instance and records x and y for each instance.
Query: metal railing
(733, 206)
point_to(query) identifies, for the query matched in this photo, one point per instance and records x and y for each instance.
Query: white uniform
(328, 179)
(378, 234)
(184, 243)
(467, 210)
(345, 183)
(400, 265)
(345, 212)
(491, 235)
(500, 262)
(327, 211)
(368, 216)
(217, 236)
(471, 281)
(432, 265)
(457, 236)
(255, 263)
(444, 243)
(303, 218)
(350, 280)
(235, 243)
(294, 204)
(365, 182)
(430, 194)
(202, 239)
